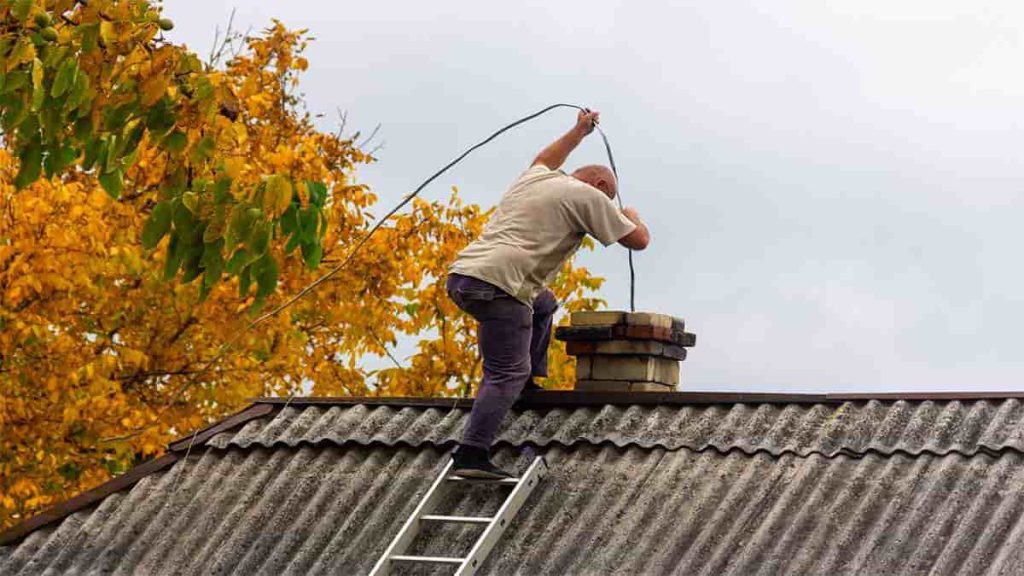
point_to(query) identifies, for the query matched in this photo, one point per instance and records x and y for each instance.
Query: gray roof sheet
(885, 427)
(854, 488)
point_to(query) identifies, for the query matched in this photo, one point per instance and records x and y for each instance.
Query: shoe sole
(479, 474)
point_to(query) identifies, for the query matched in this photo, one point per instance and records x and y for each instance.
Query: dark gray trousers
(514, 345)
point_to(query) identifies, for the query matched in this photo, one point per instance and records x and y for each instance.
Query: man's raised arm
(555, 154)
(639, 238)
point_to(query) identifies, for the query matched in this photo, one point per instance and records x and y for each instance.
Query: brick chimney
(626, 351)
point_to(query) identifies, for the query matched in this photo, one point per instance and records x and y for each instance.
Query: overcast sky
(833, 188)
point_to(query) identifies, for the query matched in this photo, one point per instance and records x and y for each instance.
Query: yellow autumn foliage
(101, 357)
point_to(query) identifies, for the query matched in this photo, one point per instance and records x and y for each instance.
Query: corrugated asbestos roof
(852, 427)
(866, 487)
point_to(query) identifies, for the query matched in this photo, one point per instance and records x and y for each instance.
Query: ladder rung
(504, 481)
(430, 559)
(458, 519)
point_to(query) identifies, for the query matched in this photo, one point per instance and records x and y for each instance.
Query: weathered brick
(583, 367)
(633, 368)
(634, 347)
(583, 333)
(673, 351)
(624, 332)
(602, 318)
(621, 386)
(576, 348)
(649, 319)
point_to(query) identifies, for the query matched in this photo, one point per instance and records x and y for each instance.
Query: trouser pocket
(469, 292)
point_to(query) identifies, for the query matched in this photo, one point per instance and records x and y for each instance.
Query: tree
(115, 298)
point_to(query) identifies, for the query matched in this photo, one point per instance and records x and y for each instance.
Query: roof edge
(85, 499)
(556, 398)
(201, 435)
(68, 507)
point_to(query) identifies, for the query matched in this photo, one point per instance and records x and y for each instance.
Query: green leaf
(238, 260)
(212, 262)
(259, 240)
(134, 137)
(54, 55)
(190, 266)
(174, 183)
(116, 118)
(15, 80)
(244, 280)
(312, 253)
(158, 224)
(307, 223)
(113, 182)
(83, 129)
(115, 147)
(13, 113)
(58, 157)
(289, 221)
(266, 276)
(79, 91)
(239, 225)
(293, 243)
(190, 228)
(65, 78)
(160, 118)
(31, 164)
(222, 191)
(216, 225)
(317, 193)
(173, 261)
(94, 148)
(21, 10)
(203, 149)
(90, 36)
(38, 92)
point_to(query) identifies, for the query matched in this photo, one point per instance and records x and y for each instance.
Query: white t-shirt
(537, 226)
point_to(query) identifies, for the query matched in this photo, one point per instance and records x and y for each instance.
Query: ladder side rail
(508, 510)
(411, 527)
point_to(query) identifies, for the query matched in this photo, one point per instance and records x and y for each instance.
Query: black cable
(632, 272)
(416, 192)
(227, 345)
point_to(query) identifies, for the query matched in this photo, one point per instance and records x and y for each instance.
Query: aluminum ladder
(495, 525)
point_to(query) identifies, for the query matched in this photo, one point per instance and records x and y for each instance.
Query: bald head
(599, 177)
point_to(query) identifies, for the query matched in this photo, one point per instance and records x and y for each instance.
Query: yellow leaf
(153, 89)
(107, 32)
(233, 167)
(25, 51)
(37, 74)
(191, 201)
(277, 196)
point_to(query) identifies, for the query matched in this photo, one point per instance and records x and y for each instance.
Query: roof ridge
(576, 398)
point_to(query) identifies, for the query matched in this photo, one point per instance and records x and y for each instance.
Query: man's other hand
(637, 239)
(586, 120)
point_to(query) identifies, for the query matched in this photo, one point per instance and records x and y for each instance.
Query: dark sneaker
(474, 462)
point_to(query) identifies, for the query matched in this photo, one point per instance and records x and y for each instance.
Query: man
(500, 278)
